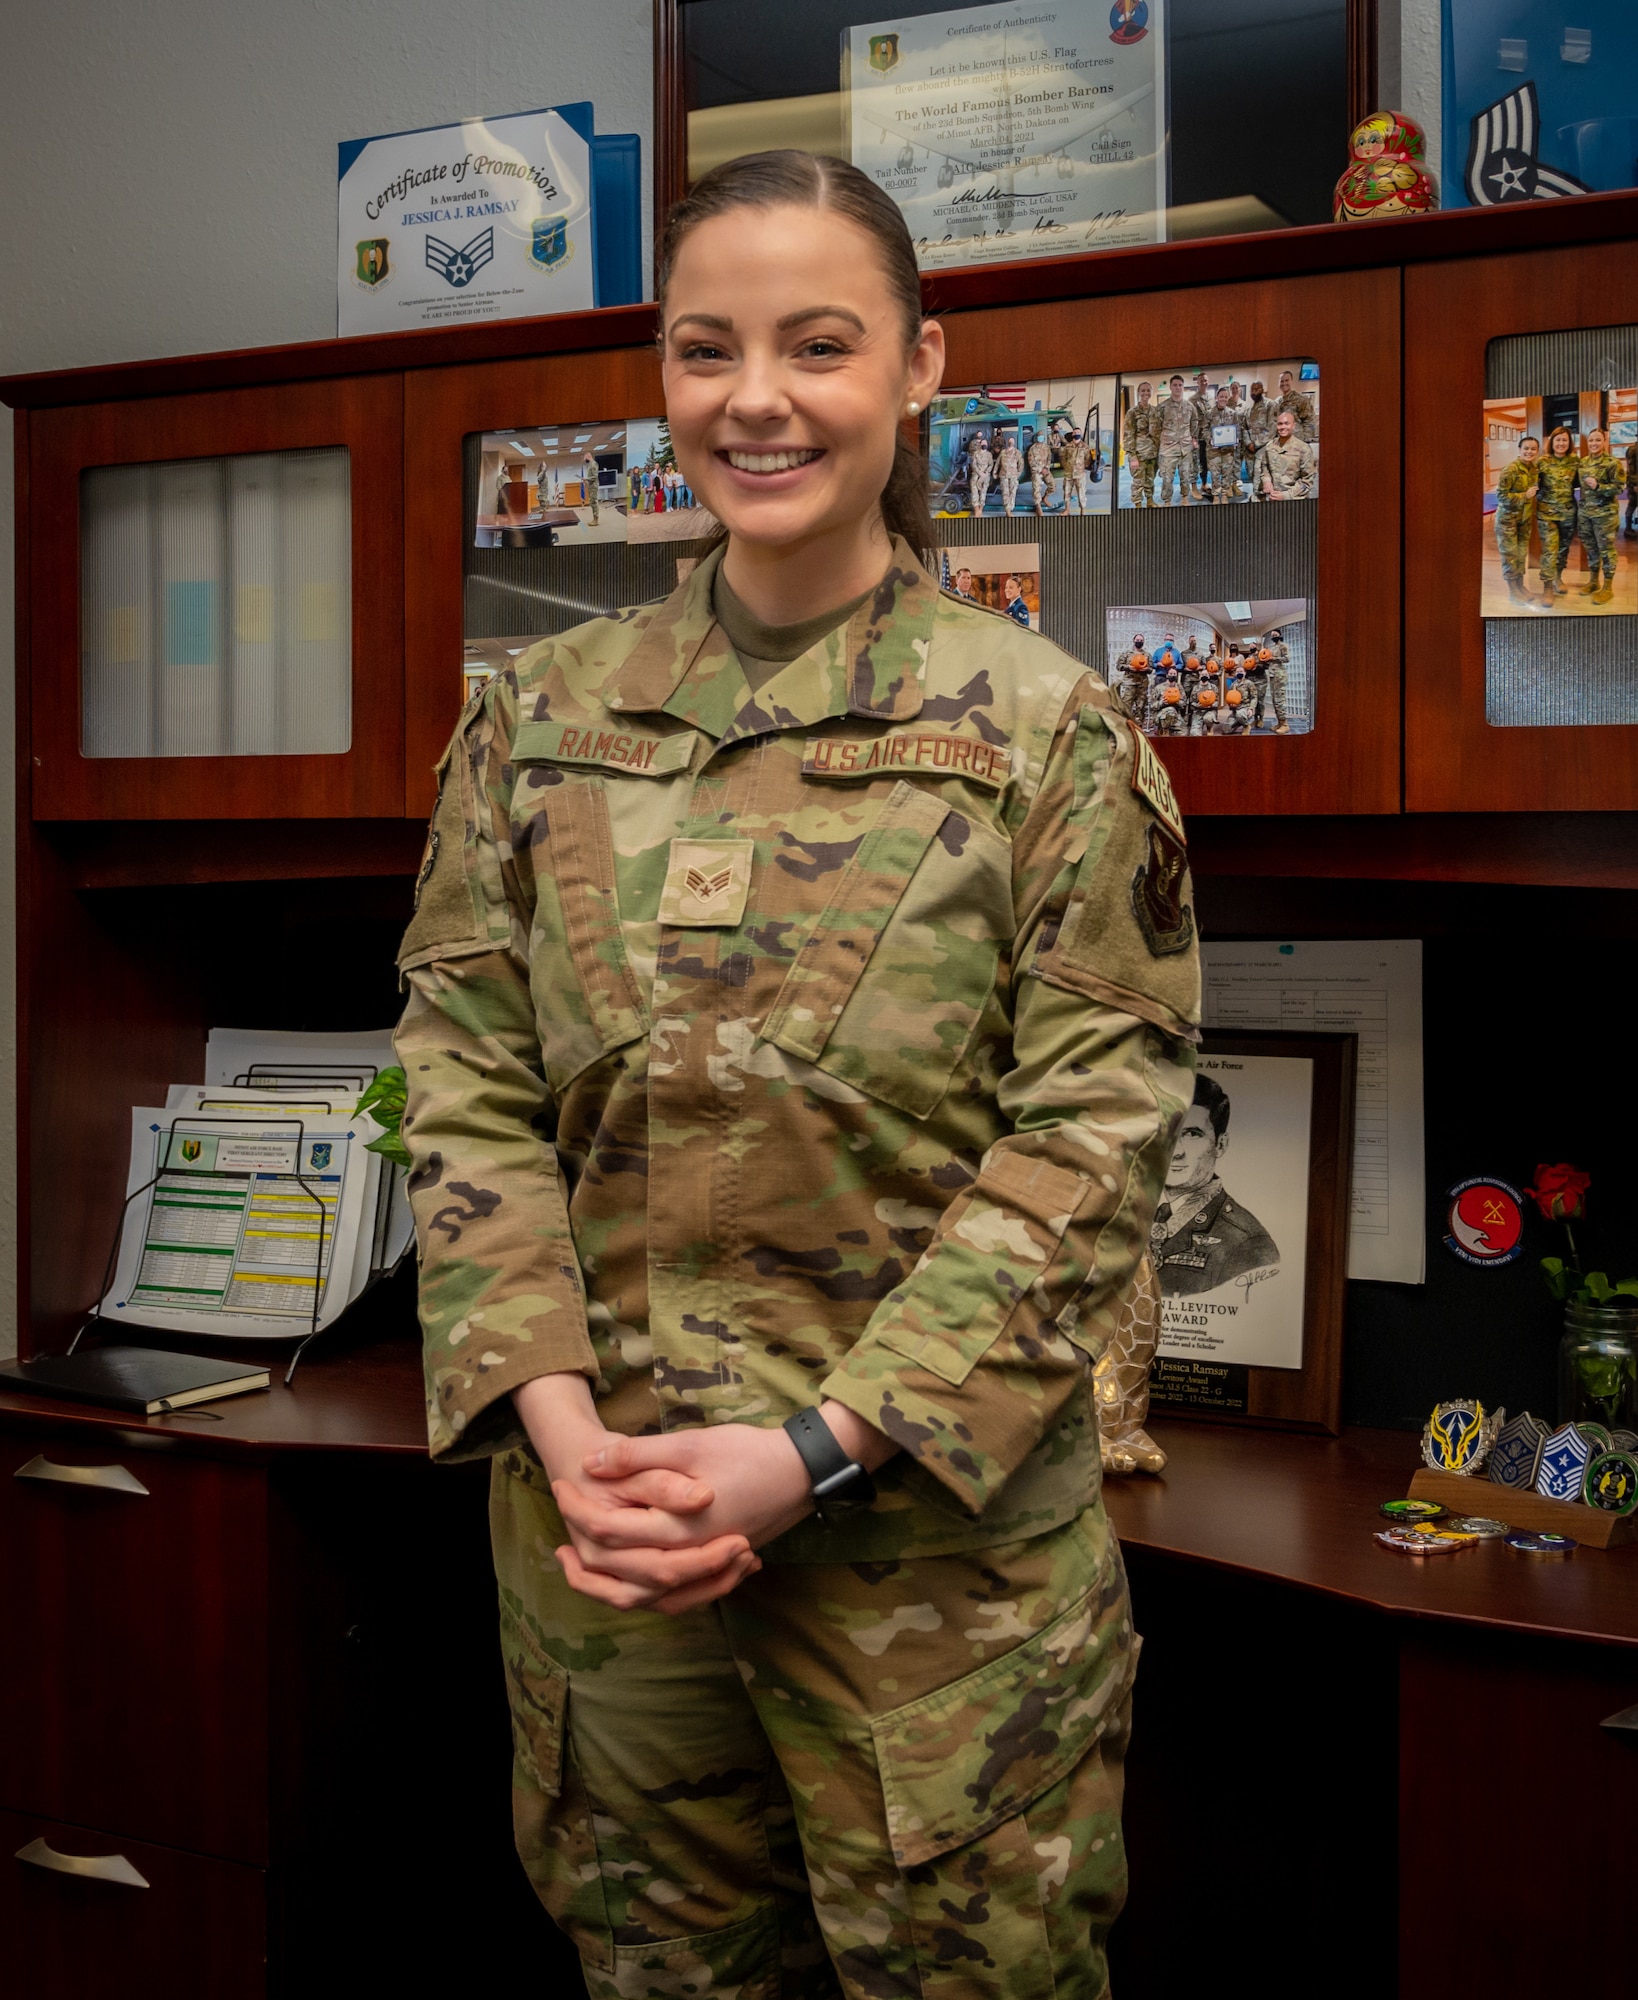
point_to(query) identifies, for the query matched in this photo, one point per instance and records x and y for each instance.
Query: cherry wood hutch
(249, 1662)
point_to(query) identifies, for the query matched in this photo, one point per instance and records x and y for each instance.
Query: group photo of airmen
(1219, 436)
(1034, 448)
(1213, 669)
(1561, 483)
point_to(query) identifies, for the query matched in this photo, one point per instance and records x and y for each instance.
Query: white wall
(170, 176)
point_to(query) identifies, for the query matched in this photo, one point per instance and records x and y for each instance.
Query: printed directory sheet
(237, 1223)
(1371, 988)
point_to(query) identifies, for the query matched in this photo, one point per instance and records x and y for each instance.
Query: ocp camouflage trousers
(1184, 461)
(1557, 531)
(1513, 541)
(1598, 527)
(879, 1780)
(1143, 481)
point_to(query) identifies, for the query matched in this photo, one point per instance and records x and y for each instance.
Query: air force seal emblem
(319, 1155)
(371, 267)
(459, 267)
(884, 52)
(549, 245)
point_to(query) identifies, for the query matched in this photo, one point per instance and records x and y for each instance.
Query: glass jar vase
(1598, 1366)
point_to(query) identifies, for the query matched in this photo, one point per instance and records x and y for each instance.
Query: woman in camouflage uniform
(1555, 509)
(803, 987)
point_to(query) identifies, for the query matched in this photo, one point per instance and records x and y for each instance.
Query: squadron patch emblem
(1166, 921)
(371, 266)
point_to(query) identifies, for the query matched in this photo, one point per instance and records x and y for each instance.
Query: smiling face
(1596, 440)
(1530, 450)
(787, 372)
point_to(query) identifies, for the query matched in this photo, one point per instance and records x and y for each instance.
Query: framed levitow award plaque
(1250, 1237)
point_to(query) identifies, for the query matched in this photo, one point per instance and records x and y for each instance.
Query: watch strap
(833, 1476)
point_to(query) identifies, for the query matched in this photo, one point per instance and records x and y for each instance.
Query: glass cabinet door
(217, 615)
(215, 607)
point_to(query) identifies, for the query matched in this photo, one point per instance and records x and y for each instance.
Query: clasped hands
(670, 1522)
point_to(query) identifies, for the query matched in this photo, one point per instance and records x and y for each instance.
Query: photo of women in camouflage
(1235, 434)
(1558, 471)
(803, 991)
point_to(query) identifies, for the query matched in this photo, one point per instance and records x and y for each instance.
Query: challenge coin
(1480, 1526)
(1420, 1542)
(1412, 1510)
(1611, 1483)
(1540, 1544)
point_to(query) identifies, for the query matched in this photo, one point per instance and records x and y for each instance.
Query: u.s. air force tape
(987, 764)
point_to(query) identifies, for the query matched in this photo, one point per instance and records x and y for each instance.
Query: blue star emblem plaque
(1563, 1464)
(460, 267)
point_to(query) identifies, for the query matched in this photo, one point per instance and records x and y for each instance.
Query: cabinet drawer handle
(94, 1867)
(107, 1478)
(1623, 1718)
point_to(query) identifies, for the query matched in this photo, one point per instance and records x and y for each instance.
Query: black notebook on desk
(146, 1379)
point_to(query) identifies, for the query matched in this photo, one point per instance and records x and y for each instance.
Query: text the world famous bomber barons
(455, 172)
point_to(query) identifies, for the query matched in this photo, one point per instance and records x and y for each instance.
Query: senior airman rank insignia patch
(706, 883)
(1166, 921)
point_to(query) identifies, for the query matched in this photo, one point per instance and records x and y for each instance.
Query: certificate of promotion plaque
(489, 219)
(1016, 129)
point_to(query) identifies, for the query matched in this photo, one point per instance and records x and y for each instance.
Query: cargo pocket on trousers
(891, 982)
(551, 1816)
(961, 1768)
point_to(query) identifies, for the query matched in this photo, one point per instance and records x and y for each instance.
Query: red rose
(1560, 1192)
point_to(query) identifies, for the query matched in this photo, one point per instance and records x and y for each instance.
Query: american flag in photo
(1501, 155)
(1010, 395)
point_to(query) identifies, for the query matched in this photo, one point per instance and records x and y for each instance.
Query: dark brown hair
(811, 180)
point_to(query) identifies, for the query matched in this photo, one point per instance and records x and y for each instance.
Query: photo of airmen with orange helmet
(1214, 669)
(1224, 436)
(1560, 484)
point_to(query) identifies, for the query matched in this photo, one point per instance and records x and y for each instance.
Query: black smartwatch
(840, 1484)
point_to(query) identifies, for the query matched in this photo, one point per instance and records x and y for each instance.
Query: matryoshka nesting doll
(1386, 175)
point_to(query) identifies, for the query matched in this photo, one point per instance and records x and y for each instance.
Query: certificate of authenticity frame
(1016, 129)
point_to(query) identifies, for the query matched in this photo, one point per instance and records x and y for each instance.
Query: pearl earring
(912, 409)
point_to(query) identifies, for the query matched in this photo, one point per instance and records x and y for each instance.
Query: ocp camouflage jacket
(822, 1041)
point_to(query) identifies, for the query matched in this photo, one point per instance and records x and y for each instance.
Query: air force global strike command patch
(1166, 921)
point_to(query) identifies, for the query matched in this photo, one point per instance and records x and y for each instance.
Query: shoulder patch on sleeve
(1127, 936)
(1152, 785)
(450, 914)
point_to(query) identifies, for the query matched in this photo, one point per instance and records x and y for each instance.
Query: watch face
(845, 1492)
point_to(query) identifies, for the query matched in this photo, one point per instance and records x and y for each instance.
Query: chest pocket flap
(890, 983)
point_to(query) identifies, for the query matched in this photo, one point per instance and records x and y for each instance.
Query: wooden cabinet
(188, 619)
(442, 408)
(1349, 763)
(254, 1691)
(83, 1913)
(1455, 759)
(145, 1669)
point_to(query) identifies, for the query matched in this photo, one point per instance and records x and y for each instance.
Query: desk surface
(349, 1395)
(1299, 1509)
(1303, 1510)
